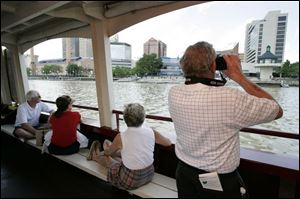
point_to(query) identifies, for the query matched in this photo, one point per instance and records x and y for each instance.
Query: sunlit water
(154, 97)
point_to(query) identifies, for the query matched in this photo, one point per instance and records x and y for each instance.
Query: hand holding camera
(230, 65)
(220, 63)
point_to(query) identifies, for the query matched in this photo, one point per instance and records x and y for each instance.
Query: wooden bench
(160, 187)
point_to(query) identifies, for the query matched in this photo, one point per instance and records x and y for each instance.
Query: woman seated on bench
(65, 139)
(135, 145)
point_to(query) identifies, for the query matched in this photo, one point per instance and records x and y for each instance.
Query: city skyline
(215, 22)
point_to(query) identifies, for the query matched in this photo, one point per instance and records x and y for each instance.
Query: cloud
(51, 49)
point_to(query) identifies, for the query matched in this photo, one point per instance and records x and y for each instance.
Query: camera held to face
(220, 63)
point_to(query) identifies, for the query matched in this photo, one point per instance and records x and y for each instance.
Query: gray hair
(32, 94)
(197, 58)
(134, 115)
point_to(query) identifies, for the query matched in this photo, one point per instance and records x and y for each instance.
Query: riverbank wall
(163, 79)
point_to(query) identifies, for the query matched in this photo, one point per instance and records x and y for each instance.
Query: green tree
(290, 70)
(29, 71)
(74, 69)
(122, 71)
(148, 65)
(294, 71)
(46, 69)
(53, 68)
(284, 70)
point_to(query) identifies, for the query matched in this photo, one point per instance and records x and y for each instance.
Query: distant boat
(284, 85)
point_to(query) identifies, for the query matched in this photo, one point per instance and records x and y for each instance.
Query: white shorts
(83, 141)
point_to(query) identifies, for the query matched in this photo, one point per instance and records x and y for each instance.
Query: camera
(220, 63)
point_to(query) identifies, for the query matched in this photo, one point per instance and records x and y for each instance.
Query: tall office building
(82, 47)
(270, 31)
(85, 47)
(70, 47)
(155, 46)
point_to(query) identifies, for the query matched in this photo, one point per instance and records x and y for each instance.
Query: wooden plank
(152, 190)
(160, 187)
(165, 181)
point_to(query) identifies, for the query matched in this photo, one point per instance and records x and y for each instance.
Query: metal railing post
(118, 121)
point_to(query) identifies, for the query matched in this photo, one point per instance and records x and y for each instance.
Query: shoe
(94, 147)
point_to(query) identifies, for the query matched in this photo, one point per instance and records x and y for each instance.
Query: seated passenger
(28, 115)
(64, 139)
(136, 147)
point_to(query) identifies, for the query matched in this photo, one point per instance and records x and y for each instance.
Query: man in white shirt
(28, 114)
(207, 118)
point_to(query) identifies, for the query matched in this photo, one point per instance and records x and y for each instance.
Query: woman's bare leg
(102, 159)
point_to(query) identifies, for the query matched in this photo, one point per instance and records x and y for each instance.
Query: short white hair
(134, 115)
(32, 94)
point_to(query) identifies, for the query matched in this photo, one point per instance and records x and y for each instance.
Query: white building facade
(120, 54)
(270, 31)
(171, 67)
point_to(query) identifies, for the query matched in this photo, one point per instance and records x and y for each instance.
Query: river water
(154, 97)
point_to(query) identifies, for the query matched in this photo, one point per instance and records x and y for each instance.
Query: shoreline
(166, 80)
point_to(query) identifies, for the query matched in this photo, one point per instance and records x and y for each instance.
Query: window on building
(279, 36)
(281, 28)
(279, 44)
(279, 40)
(282, 18)
(281, 24)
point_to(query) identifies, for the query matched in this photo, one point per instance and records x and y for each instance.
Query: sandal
(94, 147)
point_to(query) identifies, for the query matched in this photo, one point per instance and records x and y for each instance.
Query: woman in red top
(65, 138)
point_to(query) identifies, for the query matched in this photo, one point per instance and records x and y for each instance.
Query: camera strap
(206, 81)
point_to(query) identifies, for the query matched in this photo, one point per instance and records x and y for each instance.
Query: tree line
(288, 69)
(151, 65)
(147, 65)
(54, 69)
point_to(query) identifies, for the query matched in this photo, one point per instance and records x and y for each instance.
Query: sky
(223, 24)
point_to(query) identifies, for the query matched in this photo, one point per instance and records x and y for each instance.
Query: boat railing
(168, 119)
(247, 130)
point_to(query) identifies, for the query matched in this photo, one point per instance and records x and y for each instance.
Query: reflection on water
(154, 97)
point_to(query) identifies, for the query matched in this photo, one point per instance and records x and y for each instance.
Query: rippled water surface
(154, 97)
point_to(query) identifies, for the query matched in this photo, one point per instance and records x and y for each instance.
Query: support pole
(103, 72)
